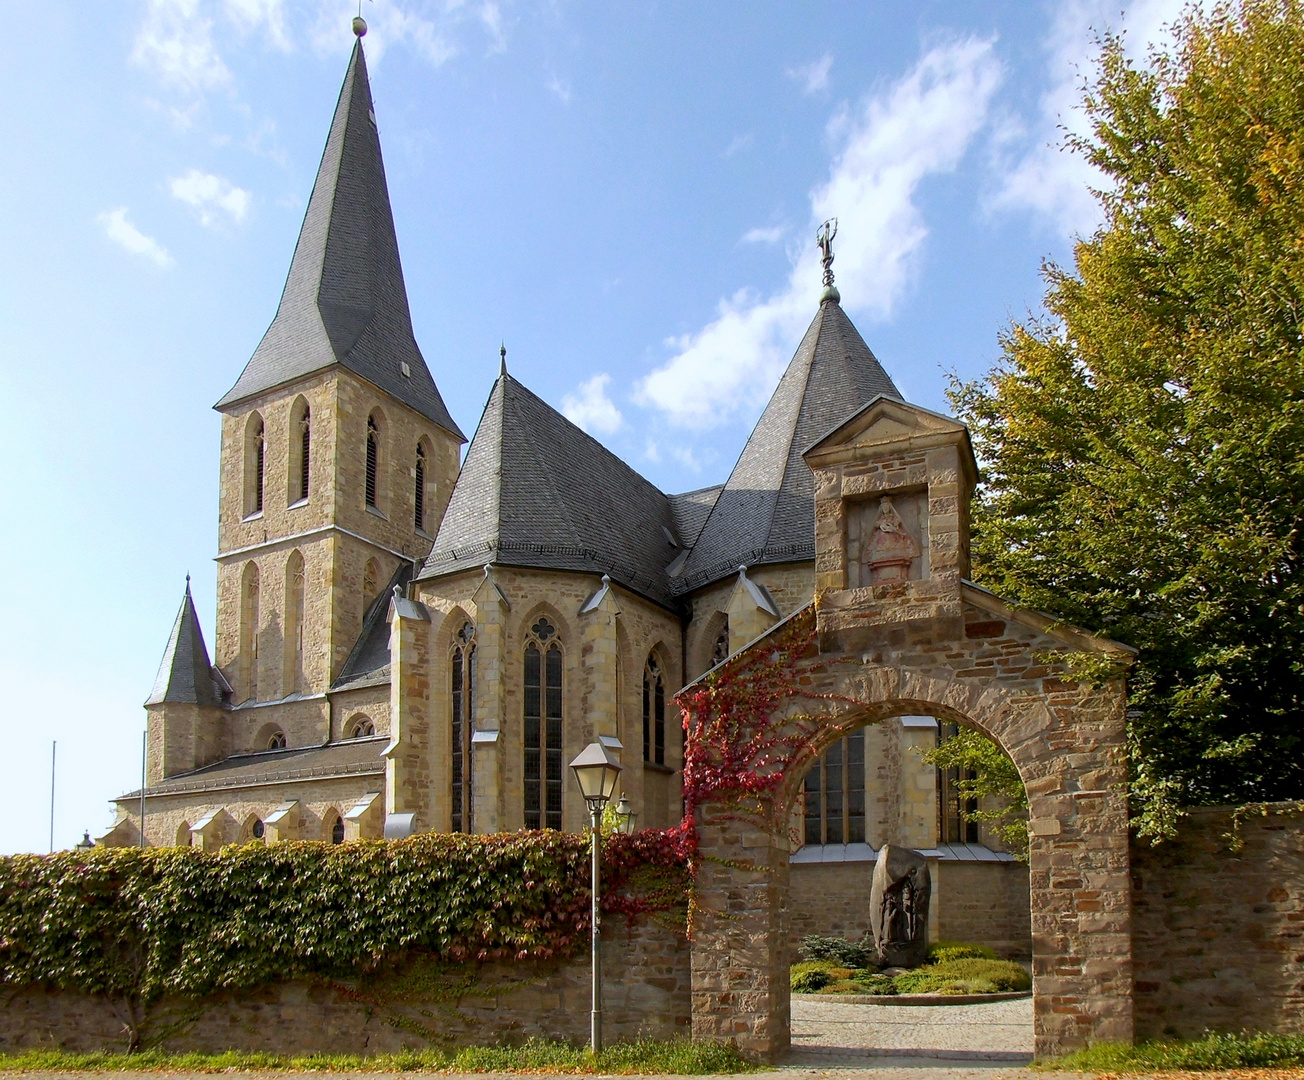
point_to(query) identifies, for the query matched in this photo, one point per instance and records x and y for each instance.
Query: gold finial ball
(359, 26)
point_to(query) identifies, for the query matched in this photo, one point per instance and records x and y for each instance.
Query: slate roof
(185, 674)
(535, 490)
(344, 300)
(691, 509)
(368, 663)
(766, 512)
(352, 757)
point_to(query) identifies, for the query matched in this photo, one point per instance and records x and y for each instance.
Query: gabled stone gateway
(922, 640)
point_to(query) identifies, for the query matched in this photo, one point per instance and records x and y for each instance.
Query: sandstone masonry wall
(646, 994)
(1217, 929)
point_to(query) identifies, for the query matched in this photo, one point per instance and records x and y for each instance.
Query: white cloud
(764, 236)
(814, 76)
(1049, 179)
(561, 90)
(266, 17)
(123, 233)
(208, 193)
(886, 146)
(176, 40)
(738, 144)
(591, 409)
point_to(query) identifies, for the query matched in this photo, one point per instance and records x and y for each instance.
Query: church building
(411, 640)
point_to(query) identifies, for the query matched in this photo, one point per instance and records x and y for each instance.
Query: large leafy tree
(1143, 440)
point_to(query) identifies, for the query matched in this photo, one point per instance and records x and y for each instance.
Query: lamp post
(596, 771)
(625, 816)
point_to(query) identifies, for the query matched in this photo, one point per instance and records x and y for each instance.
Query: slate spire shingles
(345, 301)
(766, 512)
(185, 675)
(537, 491)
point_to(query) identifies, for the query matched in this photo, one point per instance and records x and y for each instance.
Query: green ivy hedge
(135, 925)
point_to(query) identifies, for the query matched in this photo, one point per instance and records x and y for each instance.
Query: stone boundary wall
(1218, 931)
(646, 993)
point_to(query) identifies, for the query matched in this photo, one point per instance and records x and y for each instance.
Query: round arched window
(362, 728)
(276, 741)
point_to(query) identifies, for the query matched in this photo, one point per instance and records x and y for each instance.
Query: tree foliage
(1143, 441)
(988, 776)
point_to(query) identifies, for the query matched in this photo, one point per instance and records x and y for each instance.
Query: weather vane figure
(825, 240)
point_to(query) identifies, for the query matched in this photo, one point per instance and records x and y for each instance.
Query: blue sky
(626, 194)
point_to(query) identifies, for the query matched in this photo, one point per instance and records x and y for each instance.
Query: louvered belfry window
(260, 447)
(543, 717)
(654, 713)
(305, 457)
(373, 454)
(835, 793)
(419, 500)
(463, 717)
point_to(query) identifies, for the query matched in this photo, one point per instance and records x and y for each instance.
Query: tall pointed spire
(344, 300)
(185, 675)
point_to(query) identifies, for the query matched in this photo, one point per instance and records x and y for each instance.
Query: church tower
(338, 454)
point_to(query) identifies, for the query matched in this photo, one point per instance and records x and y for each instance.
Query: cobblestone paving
(842, 1036)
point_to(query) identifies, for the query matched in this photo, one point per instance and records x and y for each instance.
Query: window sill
(652, 766)
(379, 514)
(252, 517)
(296, 505)
(424, 535)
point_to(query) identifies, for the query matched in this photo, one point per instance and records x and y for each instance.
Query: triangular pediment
(883, 421)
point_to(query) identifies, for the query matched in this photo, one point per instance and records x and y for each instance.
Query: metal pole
(54, 747)
(596, 1020)
(144, 748)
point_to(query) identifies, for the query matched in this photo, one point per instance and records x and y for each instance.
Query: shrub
(943, 951)
(873, 982)
(849, 954)
(808, 982)
(969, 976)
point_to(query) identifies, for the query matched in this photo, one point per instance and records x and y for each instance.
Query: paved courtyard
(836, 1035)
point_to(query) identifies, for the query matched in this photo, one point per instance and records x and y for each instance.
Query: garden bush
(942, 951)
(851, 954)
(1212, 1051)
(968, 976)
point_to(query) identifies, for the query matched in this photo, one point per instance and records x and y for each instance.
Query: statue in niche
(890, 549)
(898, 900)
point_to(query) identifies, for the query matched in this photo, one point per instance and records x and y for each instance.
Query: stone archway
(796, 691)
(895, 628)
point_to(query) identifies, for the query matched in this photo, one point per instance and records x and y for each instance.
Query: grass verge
(676, 1057)
(1213, 1051)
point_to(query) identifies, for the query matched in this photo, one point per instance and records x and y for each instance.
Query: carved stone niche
(887, 540)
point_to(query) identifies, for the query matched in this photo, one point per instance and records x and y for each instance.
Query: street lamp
(625, 816)
(596, 771)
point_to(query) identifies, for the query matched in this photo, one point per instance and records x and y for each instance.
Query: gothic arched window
(720, 650)
(835, 793)
(543, 728)
(292, 678)
(370, 581)
(255, 460)
(419, 495)
(249, 601)
(373, 460)
(463, 695)
(300, 451)
(654, 713)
